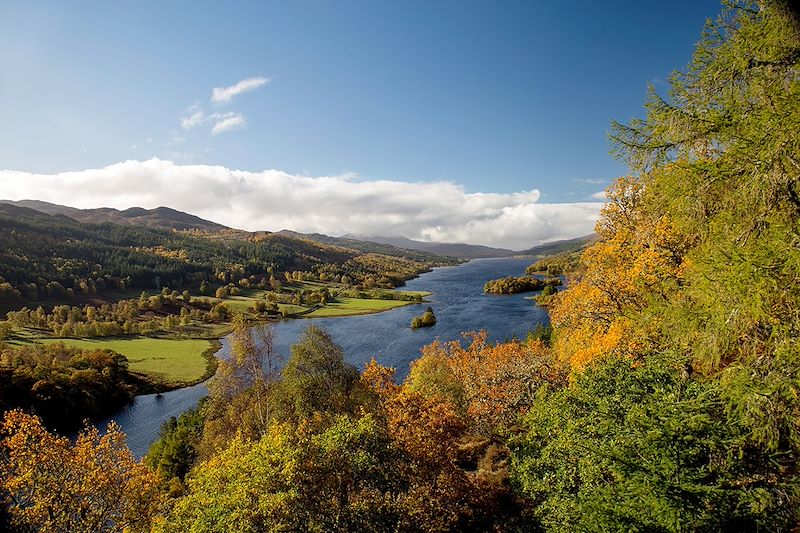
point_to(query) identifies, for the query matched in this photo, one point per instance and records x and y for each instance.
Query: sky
(481, 122)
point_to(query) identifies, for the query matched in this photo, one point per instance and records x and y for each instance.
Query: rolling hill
(366, 246)
(160, 217)
(449, 249)
(44, 253)
(560, 247)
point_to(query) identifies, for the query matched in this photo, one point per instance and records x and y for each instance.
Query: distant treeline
(557, 265)
(513, 285)
(148, 314)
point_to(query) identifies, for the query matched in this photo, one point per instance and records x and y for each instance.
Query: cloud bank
(334, 205)
(223, 95)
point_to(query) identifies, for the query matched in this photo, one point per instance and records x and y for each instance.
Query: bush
(425, 320)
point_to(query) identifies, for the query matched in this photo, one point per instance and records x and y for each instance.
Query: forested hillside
(450, 249)
(666, 397)
(365, 245)
(57, 257)
(560, 247)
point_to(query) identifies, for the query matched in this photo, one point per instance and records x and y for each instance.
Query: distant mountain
(367, 246)
(172, 219)
(43, 254)
(449, 249)
(160, 217)
(560, 247)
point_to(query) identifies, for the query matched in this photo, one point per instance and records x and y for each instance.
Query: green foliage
(557, 265)
(698, 256)
(176, 450)
(425, 320)
(719, 158)
(6, 329)
(8, 292)
(432, 375)
(313, 479)
(316, 378)
(545, 298)
(648, 448)
(542, 333)
(63, 385)
(513, 285)
(339, 473)
(240, 401)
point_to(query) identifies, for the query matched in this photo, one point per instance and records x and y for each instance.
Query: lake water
(458, 301)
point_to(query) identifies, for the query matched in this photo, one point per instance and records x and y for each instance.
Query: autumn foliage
(48, 483)
(490, 384)
(681, 327)
(638, 262)
(666, 398)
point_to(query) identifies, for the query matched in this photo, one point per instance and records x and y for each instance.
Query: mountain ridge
(159, 217)
(450, 249)
(560, 246)
(172, 219)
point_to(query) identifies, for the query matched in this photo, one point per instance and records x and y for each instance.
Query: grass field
(172, 362)
(355, 306)
(340, 307)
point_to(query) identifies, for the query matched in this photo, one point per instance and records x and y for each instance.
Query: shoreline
(154, 383)
(155, 387)
(395, 343)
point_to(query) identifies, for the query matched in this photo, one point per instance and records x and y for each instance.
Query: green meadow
(169, 362)
(355, 306)
(341, 306)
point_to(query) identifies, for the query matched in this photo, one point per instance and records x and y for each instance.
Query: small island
(425, 320)
(513, 285)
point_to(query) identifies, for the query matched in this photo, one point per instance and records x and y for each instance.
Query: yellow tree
(638, 263)
(491, 384)
(239, 394)
(49, 484)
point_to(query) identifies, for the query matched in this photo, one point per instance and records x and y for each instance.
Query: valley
(367, 267)
(96, 285)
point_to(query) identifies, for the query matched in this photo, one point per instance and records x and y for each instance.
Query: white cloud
(195, 118)
(222, 122)
(591, 181)
(599, 195)
(223, 95)
(272, 200)
(227, 121)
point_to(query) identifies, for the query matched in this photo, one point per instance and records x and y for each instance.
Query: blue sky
(496, 97)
